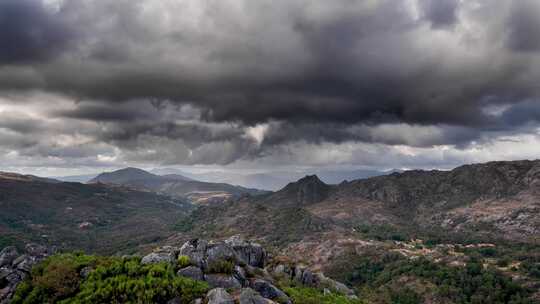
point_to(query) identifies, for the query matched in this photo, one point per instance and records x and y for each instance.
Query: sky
(265, 85)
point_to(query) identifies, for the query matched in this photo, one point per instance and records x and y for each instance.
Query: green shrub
(113, 280)
(127, 281)
(55, 278)
(183, 261)
(405, 296)
(221, 266)
(314, 296)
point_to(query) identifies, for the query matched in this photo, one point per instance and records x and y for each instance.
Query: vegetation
(60, 279)
(301, 295)
(221, 266)
(393, 279)
(183, 261)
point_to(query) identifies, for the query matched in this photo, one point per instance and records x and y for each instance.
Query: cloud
(30, 33)
(183, 82)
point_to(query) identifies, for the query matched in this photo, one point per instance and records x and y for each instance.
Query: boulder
(309, 279)
(192, 272)
(36, 250)
(162, 255)
(26, 263)
(334, 285)
(219, 296)
(7, 255)
(240, 275)
(269, 291)
(249, 296)
(216, 254)
(248, 253)
(222, 281)
(195, 250)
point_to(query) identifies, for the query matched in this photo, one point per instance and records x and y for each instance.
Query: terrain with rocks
(229, 271)
(469, 235)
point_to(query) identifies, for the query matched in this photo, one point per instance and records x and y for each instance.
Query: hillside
(174, 185)
(498, 200)
(97, 217)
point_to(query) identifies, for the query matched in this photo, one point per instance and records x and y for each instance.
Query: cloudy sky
(87, 85)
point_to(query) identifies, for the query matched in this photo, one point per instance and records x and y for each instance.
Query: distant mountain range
(275, 180)
(271, 181)
(175, 185)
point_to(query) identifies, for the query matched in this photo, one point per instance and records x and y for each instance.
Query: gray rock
(222, 281)
(195, 250)
(334, 285)
(36, 250)
(270, 291)
(249, 296)
(7, 255)
(85, 272)
(248, 253)
(219, 296)
(159, 257)
(219, 253)
(26, 263)
(240, 274)
(309, 279)
(192, 272)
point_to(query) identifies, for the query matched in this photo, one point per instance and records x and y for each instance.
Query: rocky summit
(239, 271)
(234, 271)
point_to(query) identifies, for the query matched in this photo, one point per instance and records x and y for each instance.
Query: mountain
(124, 176)
(175, 185)
(467, 235)
(498, 200)
(97, 217)
(84, 178)
(275, 180)
(26, 178)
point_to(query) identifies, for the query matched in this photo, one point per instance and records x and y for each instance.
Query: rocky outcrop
(15, 267)
(219, 296)
(241, 267)
(249, 296)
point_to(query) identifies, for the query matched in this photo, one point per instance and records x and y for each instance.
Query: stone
(219, 296)
(36, 250)
(7, 255)
(85, 272)
(159, 257)
(309, 279)
(195, 250)
(248, 253)
(240, 275)
(26, 264)
(219, 253)
(334, 285)
(249, 296)
(192, 272)
(222, 281)
(269, 291)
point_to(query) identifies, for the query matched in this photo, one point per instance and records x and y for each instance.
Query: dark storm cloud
(524, 26)
(29, 33)
(418, 73)
(441, 13)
